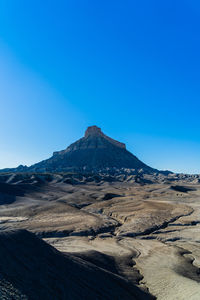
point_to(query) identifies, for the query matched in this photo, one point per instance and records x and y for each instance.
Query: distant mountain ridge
(95, 152)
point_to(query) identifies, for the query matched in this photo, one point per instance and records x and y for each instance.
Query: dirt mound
(35, 270)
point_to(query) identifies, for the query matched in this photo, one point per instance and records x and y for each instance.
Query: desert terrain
(141, 230)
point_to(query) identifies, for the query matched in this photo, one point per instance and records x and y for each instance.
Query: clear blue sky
(130, 67)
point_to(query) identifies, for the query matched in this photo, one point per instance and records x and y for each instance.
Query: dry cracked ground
(145, 231)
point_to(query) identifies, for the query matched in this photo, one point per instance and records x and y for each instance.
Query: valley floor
(148, 233)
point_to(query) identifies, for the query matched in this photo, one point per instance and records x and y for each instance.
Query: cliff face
(95, 131)
(95, 152)
(94, 138)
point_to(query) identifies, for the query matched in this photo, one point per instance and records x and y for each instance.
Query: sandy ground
(150, 232)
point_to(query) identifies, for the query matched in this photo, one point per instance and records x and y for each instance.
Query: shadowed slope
(94, 152)
(39, 271)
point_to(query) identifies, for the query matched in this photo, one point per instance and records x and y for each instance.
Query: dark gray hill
(32, 269)
(95, 152)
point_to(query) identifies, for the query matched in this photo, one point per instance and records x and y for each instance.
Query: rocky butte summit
(95, 152)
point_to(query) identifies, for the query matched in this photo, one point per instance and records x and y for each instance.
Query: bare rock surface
(32, 269)
(143, 229)
(95, 152)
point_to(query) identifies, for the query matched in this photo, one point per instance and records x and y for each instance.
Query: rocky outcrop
(94, 131)
(94, 153)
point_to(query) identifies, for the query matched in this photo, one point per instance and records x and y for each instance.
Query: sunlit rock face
(94, 131)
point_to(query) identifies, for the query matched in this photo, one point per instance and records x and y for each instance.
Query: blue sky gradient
(130, 67)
